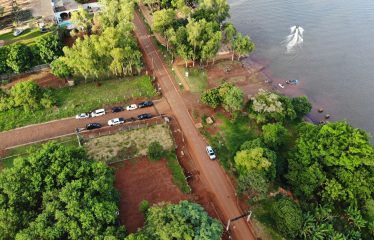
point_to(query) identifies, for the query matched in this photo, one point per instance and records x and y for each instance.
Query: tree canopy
(19, 57)
(50, 47)
(181, 221)
(58, 193)
(267, 107)
(332, 162)
(274, 135)
(287, 216)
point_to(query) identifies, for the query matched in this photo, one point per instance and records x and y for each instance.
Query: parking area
(62, 127)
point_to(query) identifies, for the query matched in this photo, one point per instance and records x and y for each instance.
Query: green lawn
(28, 37)
(81, 98)
(233, 133)
(179, 178)
(23, 150)
(197, 79)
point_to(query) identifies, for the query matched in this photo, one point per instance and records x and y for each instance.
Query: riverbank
(256, 67)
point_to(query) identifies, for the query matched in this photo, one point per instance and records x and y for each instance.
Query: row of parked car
(117, 121)
(101, 112)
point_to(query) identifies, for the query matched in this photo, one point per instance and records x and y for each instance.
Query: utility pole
(248, 215)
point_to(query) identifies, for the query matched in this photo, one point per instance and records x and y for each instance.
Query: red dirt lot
(43, 78)
(141, 179)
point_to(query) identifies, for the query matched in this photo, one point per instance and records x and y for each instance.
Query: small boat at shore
(293, 81)
(281, 85)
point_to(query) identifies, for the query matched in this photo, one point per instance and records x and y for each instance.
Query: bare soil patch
(43, 78)
(141, 179)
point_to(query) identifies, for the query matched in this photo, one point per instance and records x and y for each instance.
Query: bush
(211, 98)
(60, 69)
(50, 47)
(226, 94)
(155, 151)
(144, 206)
(19, 58)
(287, 216)
(274, 135)
(301, 105)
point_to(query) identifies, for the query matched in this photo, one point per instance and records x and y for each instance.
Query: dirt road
(211, 173)
(57, 128)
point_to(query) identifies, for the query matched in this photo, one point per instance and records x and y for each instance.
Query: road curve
(211, 173)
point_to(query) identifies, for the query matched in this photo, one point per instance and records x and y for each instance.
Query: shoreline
(256, 67)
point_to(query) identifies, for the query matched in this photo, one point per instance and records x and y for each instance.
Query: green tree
(57, 193)
(195, 31)
(50, 47)
(233, 99)
(274, 135)
(155, 151)
(82, 20)
(254, 184)
(242, 45)
(29, 96)
(19, 57)
(230, 33)
(163, 19)
(301, 105)
(333, 162)
(268, 107)
(211, 98)
(287, 216)
(181, 221)
(60, 69)
(211, 47)
(144, 206)
(4, 68)
(256, 159)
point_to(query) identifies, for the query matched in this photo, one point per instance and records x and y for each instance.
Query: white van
(98, 112)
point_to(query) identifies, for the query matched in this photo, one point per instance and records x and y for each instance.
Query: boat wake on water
(295, 39)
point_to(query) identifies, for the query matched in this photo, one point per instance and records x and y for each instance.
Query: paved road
(213, 176)
(57, 128)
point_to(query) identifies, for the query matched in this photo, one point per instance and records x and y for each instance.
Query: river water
(333, 58)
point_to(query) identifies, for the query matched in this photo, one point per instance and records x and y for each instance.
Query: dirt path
(61, 127)
(212, 174)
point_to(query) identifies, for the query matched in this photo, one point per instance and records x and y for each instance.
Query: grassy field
(28, 37)
(24, 150)
(128, 144)
(81, 98)
(197, 79)
(232, 134)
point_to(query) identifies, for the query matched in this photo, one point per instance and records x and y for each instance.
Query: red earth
(141, 179)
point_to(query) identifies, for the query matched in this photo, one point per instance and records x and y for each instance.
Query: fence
(32, 70)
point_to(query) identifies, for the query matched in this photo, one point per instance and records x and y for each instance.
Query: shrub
(155, 151)
(19, 58)
(144, 206)
(287, 216)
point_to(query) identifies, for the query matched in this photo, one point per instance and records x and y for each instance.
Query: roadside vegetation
(195, 30)
(20, 57)
(66, 196)
(26, 103)
(185, 220)
(276, 159)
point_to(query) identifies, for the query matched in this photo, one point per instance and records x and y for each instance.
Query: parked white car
(17, 32)
(116, 121)
(98, 112)
(210, 152)
(82, 116)
(131, 107)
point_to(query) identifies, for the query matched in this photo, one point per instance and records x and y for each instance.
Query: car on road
(17, 32)
(91, 126)
(131, 107)
(98, 112)
(117, 109)
(144, 116)
(116, 121)
(145, 104)
(210, 152)
(82, 116)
